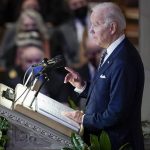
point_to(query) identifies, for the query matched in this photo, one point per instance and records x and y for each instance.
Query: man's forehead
(96, 16)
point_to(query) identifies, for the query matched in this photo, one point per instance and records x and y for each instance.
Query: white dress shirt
(112, 47)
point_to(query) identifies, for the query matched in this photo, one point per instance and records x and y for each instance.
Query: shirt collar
(111, 47)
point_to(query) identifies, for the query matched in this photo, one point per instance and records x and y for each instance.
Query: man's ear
(113, 28)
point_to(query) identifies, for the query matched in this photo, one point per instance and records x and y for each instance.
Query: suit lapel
(105, 66)
(97, 75)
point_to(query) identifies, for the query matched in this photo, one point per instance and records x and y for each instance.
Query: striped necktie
(102, 58)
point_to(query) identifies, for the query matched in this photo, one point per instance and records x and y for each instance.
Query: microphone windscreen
(56, 62)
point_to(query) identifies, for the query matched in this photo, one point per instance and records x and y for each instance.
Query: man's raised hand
(74, 78)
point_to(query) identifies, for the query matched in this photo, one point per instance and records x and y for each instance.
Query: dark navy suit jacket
(114, 98)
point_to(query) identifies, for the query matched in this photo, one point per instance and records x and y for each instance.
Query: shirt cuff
(82, 118)
(81, 127)
(80, 90)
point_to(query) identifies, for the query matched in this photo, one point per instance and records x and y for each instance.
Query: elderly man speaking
(114, 96)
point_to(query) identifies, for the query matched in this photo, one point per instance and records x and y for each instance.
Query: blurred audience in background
(67, 39)
(30, 4)
(53, 11)
(73, 34)
(77, 28)
(29, 26)
(27, 55)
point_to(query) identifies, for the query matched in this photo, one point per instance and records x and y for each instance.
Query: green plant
(77, 143)
(72, 103)
(126, 146)
(4, 125)
(101, 143)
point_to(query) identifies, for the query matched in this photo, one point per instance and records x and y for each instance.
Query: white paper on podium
(53, 109)
(46, 106)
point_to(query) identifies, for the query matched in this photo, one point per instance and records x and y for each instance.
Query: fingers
(67, 78)
(70, 78)
(70, 70)
(72, 75)
(68, 114)
(74, 115)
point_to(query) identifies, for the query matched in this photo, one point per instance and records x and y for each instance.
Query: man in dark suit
(114, 97)
(75, 26)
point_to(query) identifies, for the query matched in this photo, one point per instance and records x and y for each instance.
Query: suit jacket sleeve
(122, 91)
(85, 92)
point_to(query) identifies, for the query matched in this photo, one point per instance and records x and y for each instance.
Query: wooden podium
(50, 128)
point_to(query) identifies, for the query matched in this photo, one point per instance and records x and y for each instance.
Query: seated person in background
(26, 56)
(70, 37)
(29, 53)
(30, 4)
(29, 23)
(74, 32)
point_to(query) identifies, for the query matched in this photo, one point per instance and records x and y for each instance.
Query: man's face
(99, 30)
(75, 4)
(28, 24)
(29, 56)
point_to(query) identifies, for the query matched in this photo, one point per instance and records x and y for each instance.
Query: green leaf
(2, 142)
(4, 125)
(126, 146)
(87, 147)
(77, 142)
(95, 145)
(5, 137)
(104, 141)
(72, 103)
(2, 148)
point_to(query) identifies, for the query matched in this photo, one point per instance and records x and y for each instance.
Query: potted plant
(97, 143)
(4, 125)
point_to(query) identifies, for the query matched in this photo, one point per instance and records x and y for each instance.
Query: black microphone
(50, 64)
(56, 62)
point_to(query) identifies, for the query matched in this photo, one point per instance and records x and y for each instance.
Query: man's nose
(91, 30)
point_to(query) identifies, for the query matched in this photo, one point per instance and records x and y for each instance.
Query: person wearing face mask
(74, 32)
(29, 23)
(69, 38)
(79, 11)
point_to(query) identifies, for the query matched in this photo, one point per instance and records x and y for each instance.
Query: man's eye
(96, 25)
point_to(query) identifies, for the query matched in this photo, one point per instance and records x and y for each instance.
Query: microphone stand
(37, 92)
(46, 63)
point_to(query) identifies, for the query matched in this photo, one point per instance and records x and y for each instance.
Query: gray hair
(112, 12)
(38, 19)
